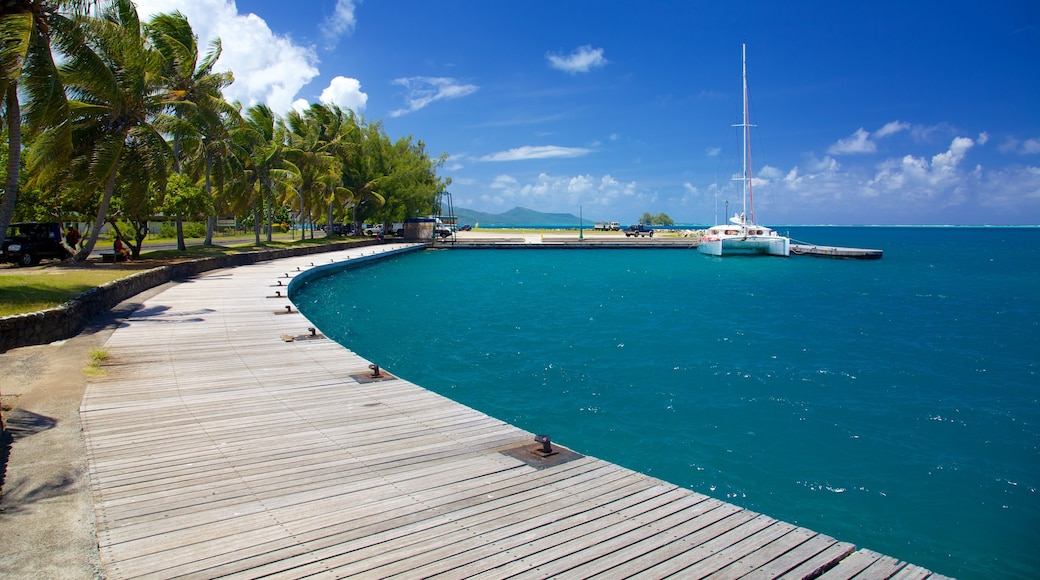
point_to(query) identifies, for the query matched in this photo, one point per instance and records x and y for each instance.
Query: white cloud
(346, 93)
(890, 128)
(863, 141)
(539, 152)
(504, 182)
(581, 60)
(268, 68)
(561, 193)
(859, 142)
(1026, 147)
(301, 105)
(341, 22)
(916, 180)
(425, 90)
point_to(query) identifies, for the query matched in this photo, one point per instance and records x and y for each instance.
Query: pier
(543, 241)
(228, 438)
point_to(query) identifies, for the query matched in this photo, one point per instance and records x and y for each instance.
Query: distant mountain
(518, 216)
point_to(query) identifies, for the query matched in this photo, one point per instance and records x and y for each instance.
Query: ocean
(894, 404)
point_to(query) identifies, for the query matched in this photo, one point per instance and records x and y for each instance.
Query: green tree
(114, 79)
(412, 184)
(363, 172)
(662, 219)
(315, 149)
(28, 71)
(262, 146)
(184, 199)
(198, 118)
(136, 199)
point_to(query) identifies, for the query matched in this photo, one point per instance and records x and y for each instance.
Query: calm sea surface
(894, 404)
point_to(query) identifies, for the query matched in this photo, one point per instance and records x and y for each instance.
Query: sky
(883, 112)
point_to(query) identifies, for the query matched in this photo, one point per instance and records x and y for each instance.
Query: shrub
(191, 230)
(194, 230)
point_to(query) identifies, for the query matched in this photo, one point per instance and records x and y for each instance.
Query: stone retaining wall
(68, 319)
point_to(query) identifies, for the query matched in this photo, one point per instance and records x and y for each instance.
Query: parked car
(339, 229)
(26, 243)
(442, 230)
(639, 230)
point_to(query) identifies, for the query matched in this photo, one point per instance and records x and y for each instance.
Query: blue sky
(867, 113)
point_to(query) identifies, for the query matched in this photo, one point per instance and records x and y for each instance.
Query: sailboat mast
(748, 193)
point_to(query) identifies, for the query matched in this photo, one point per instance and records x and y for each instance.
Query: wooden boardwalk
(219, 449)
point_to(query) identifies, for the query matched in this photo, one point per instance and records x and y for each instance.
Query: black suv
(27, 243)
(639, 230)
(339, 229)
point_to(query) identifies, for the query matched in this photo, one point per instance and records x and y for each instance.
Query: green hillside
(517, 216)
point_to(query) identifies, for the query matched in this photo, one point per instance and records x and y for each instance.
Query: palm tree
(116, 93)
(27, 28)
(316, 149)
(198, 121)
(363, 171)
(262, 138)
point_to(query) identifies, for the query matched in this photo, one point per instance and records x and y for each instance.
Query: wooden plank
(585, 512)
(746, 565)
(751, 544)
(912, 572)
(859, 563)
(703, 549)
(819, 561)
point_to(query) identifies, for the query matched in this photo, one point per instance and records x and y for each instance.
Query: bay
(894, 404)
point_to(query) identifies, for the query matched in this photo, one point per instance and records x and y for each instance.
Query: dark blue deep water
(894, 404)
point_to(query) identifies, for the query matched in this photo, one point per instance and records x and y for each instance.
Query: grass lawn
(44, 288)
(25, 290)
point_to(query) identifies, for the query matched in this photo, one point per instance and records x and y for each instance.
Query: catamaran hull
(746, 246)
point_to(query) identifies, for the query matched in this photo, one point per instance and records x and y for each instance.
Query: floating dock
(835, 252)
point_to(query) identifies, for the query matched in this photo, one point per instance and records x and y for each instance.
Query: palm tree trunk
(211, 221)
(256, 221)
(329, 218)
(211, 224)
(99, 221)
(14, 140)
(181, 246)
(270, 214)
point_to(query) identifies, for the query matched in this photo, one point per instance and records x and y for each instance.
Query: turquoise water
(891, 403)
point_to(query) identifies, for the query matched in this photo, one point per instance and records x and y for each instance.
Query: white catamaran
(741, 235)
